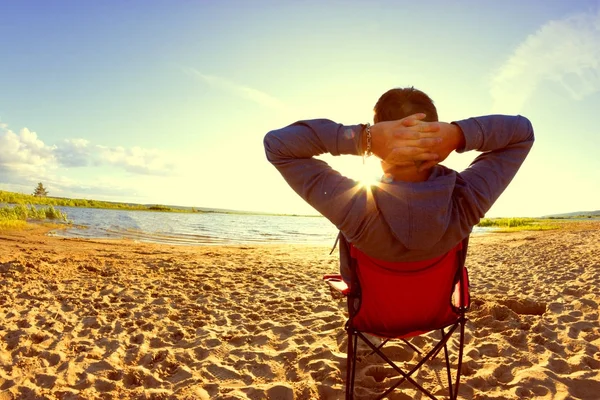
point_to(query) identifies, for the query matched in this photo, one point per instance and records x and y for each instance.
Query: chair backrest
(404, 299)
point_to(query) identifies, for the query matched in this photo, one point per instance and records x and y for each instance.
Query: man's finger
(424, 143)
(426, 165)
(431, 134)
(428, 127)
(404, 160)
(419, 126)
(407, 134)
(427, 157)
(412, 120)
(429, 142)
(411, 154)
(400, 163)
(407, 151)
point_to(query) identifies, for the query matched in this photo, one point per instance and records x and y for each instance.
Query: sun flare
(368, 178)
(369, 173)
(366, 173)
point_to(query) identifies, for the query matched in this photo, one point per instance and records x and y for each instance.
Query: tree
(40, 191)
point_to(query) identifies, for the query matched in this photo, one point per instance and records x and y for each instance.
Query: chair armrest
(337, 284)
(461, 298)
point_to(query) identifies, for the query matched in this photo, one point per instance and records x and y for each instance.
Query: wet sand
(113, 319)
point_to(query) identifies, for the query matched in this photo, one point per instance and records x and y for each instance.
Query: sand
(99, 319)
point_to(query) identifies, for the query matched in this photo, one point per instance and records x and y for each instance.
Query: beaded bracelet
(369, 150)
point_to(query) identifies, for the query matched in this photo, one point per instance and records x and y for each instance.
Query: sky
(167, 102)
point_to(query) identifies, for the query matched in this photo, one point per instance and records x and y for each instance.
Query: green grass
(12, 224)
(18, 214)
(518, 224)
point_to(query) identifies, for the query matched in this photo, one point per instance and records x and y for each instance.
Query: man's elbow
(526, 127)
(268, 144)
(274, 146)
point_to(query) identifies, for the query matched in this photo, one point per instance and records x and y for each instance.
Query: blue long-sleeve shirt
(401, 221)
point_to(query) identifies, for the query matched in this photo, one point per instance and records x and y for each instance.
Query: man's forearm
(453, 139)
(456, 137)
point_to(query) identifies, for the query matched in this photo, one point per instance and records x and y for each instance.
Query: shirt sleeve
(338, 198)
(504, 142)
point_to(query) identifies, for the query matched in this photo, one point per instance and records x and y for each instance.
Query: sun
(368, 178)
(369, 173)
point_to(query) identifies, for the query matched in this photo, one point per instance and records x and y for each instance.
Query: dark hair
(402, 102)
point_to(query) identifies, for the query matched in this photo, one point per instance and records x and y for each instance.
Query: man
(420, 209)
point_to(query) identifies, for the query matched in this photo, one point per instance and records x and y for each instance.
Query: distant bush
(160, 208)
(517, 224)
(506, 222)
(53, 213)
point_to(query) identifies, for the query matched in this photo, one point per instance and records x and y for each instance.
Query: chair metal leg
(354, 360)
(446, 356)
(454, 396)
(407, 376)
(350, 364)
(412, 346)
(427, 357)
(374, 351)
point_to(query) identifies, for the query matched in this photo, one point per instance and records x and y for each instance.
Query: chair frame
(353, 295)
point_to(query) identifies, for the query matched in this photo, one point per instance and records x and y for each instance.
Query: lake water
(198, 228)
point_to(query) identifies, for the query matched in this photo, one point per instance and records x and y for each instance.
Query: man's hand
(452, 139)
(405, 141)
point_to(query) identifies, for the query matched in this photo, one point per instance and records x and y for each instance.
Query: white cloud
(246, 92)
(24, 149)
(77, 168)
(25, 158)
(565, 51)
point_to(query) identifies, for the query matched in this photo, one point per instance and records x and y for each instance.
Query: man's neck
(416, 177)
(406, 174)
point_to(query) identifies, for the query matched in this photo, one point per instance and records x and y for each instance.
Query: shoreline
(78, 232)
(118, 319)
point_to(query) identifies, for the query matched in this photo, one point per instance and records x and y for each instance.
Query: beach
(118, 319)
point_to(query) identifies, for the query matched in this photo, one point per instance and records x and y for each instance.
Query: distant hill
(201, 209)
(577, 214)
(231, 211)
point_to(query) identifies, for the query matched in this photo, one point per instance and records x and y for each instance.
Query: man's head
(402, 102)
(397, 104)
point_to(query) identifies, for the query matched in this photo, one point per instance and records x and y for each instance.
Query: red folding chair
(403, 300)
